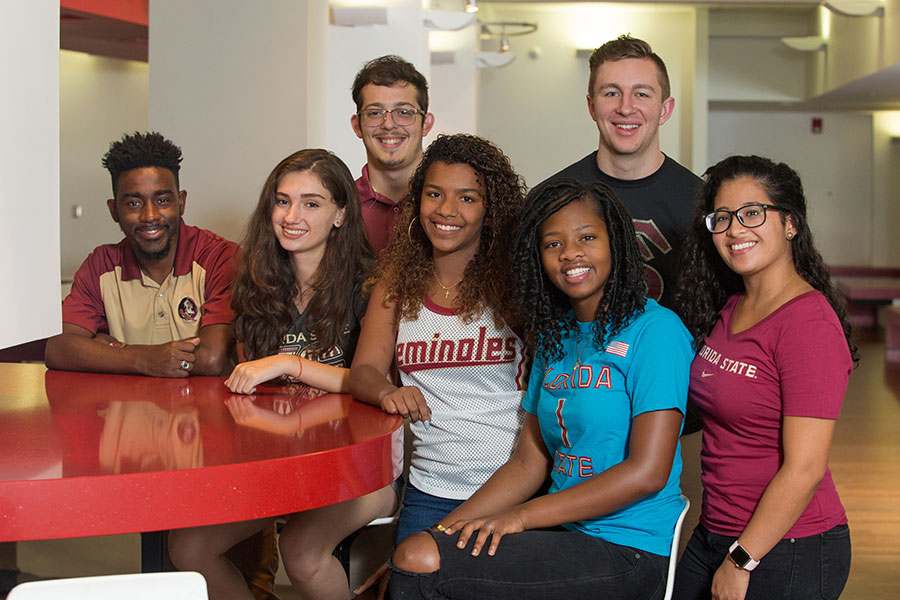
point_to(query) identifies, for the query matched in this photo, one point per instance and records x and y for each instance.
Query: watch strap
(741, 557)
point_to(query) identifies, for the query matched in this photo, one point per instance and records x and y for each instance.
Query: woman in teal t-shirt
(605, 406)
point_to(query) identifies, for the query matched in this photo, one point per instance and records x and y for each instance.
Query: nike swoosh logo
(705, 374)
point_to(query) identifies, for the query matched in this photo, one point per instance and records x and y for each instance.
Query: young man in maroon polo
(391, 119)
(158, 302)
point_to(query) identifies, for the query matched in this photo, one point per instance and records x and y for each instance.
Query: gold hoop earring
(409, 230)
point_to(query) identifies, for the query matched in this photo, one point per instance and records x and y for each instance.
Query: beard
(157, 254)
(171, 237)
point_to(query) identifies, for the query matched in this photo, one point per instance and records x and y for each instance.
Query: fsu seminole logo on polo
(187, 309)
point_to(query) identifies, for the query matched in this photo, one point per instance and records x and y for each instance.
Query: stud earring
(790, 235)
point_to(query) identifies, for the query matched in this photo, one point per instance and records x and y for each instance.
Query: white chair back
(673, 555)
(178, 585)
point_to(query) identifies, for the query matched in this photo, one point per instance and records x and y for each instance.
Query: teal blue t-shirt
(585, 416)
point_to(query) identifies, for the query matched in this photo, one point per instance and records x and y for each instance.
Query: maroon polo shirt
(379, 213)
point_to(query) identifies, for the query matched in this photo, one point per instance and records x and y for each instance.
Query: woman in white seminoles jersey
(441, 308)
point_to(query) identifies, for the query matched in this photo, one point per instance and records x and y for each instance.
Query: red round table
(87, 454)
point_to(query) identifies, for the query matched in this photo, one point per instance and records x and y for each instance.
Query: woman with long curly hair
(775, 354)
(605, 405)
(441, 309)
(297, 302)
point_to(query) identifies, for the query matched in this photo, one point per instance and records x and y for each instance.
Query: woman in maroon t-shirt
(774, 356)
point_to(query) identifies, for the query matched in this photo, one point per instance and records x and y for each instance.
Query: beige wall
(100, 100)
(535, 109)
(886, 189)
(858, 46)
(835, 166)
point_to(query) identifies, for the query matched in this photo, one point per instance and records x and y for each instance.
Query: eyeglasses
(750, 216)
(400, 116)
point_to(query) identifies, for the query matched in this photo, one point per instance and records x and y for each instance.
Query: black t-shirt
(661, 206)
(298, 337)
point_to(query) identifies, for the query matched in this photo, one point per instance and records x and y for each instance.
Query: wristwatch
(741, 557)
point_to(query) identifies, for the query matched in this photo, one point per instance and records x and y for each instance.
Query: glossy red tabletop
(86, 454)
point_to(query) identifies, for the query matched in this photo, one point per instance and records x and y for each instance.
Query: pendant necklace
(586, 344)
(444, 287)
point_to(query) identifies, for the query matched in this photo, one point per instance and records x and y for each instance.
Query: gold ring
(440, 527)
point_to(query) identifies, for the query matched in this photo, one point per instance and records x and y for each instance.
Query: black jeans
(813, 568)
(538, 565)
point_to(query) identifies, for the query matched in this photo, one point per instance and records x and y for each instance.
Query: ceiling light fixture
(472, 6)
(809, 43)
(856, 8)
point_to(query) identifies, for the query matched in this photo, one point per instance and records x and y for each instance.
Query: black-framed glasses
(750, 216)
(401, 116)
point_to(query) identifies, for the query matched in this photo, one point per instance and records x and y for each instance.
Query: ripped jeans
(539, 565)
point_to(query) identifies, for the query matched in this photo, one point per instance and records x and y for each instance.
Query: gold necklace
(444, 287)
(586, 344)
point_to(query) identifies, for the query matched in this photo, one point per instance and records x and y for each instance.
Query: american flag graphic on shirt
(618, 348)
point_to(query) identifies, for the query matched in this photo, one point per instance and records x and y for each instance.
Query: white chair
(673, 555)
(342, 552)
(176, 585)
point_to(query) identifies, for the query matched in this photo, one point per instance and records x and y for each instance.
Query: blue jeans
(421, 511)
(813, 568)
(537, 564)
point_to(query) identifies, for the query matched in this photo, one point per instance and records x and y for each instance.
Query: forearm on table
(70, 352)
(324, 377)
(212, 351)
(368, 384)
(209, 362)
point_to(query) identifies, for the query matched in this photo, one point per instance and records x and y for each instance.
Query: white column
(29, 171)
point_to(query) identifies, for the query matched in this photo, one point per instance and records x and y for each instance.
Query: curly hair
(624, 47)
(390, 70)
(706, 282)
(265, 287)
(545, 310)
(406, 266)
(138, 151)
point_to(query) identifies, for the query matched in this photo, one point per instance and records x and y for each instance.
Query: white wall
(535, 109)
(349, 48)
(836, 168)
(29, 170)
(239, 88)
(454, 87)
(747, 60)
(100, 100)
(229, 84)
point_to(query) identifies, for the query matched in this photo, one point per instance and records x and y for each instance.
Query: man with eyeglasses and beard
(391, 119)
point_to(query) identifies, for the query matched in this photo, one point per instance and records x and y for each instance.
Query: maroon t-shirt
(795, 362)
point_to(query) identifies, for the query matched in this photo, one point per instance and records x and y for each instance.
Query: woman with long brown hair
(298, 302)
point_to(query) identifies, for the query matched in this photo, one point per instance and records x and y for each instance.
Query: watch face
(740, 557)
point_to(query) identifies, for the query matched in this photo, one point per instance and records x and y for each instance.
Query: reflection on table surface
(181, 443)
